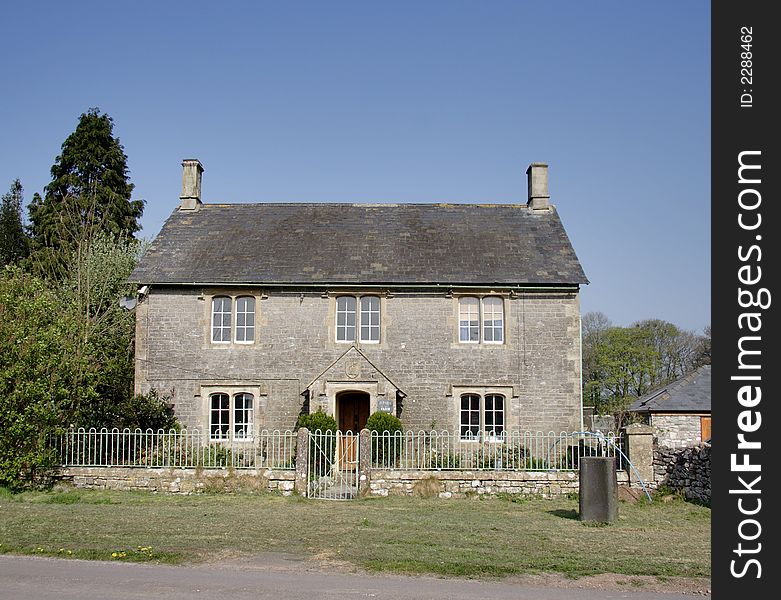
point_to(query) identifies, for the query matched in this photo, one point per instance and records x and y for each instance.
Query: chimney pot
(192, 170)
(539, 197)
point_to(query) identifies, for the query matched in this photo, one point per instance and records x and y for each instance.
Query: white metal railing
(81, 447)
(410, 450)
(513, 451)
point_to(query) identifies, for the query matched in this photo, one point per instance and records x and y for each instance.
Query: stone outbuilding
(679, 412)
(457, 317)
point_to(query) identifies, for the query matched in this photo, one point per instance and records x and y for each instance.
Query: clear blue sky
(438, 101)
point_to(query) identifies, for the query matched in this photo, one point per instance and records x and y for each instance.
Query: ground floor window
(231, 416)
(482, 416)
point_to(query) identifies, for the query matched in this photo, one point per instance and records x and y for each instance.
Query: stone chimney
(539, 197)
(191, 184)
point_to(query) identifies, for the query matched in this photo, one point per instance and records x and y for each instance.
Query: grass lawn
(480, 537)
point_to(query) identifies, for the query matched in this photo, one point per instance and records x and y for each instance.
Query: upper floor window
(221, 319)
(469, 320)
(245, 319)
(493, 320)
(370, 319)
(222, 329)
(231, 417)
(481, 320)
(345, 319)
(351, 321)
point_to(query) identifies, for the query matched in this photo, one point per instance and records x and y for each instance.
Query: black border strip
(744, 104)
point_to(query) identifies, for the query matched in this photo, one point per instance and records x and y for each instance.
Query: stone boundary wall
(443, 484)
(686, 469)
(179, 481)
(461, 484)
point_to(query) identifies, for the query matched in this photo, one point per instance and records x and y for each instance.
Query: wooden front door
(353, 411)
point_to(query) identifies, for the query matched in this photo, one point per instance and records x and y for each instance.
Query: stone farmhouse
(457, 317)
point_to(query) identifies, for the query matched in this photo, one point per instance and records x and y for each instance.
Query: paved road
(23, 577)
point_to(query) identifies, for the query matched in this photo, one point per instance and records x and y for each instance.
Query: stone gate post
(364, 460)
(640, 450)
(302, 462)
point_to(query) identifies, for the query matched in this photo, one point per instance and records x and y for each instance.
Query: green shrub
(143, 411)
(382, 421)
(387, 445)
(445, 460)
(216, 455)
(321, 448)
(316, 420)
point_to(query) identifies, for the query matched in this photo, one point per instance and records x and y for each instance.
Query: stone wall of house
(178, 481)
(539, 361)
(460, 484)
(676, 431)
(686, 469)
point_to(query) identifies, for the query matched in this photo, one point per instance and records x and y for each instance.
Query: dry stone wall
(178, 481)
(687, 469)
(461, 484)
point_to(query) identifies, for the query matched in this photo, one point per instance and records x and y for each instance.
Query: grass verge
(481, 537)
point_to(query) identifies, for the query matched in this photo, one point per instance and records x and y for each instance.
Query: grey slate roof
(361, 243)
(690, 393)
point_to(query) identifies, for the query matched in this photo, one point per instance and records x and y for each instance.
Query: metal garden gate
(333, 465)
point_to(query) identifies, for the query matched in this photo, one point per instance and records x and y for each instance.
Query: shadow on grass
(564, 514)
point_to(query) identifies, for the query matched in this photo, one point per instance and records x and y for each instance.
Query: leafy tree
(676, 349)
(13, 239)
(66, 358)
(37, 364)
(704, 348)
(623, 363)
(89, 192)
(594, 325)
(104, 332)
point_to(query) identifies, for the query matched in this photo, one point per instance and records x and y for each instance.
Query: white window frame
(469, 397)
(228, 325)
(486, 302)
(493, 412)
(247, 413)
(223, 428)
(366, 314)
(247, 315)
(484, 432)
(472, 314)
(480, 303)
(360, 315)
(222, 313)
(229, 430)
(345, 327)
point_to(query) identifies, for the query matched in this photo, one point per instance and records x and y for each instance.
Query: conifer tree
(13, 239)
(89, 192)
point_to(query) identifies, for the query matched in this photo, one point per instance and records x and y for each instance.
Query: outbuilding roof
(394, 244)
(690, 393)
